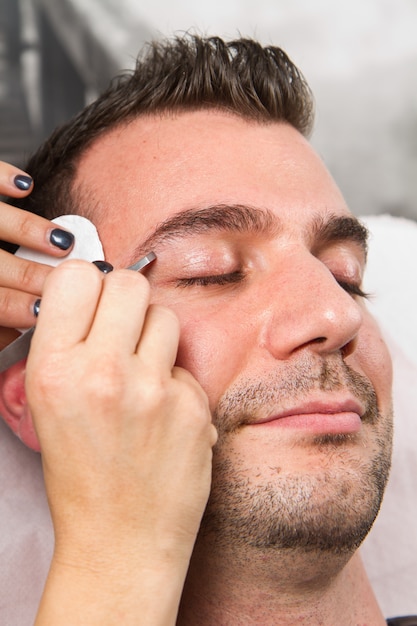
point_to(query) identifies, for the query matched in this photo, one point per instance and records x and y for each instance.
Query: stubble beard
(330, 511)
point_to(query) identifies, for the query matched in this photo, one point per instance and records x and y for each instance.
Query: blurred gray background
(359, 57)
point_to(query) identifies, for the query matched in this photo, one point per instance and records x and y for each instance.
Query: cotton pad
(87, 245)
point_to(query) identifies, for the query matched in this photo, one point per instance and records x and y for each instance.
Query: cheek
(375, 360)
(213, 350)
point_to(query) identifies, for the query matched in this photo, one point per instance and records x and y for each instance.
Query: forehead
(141, 174)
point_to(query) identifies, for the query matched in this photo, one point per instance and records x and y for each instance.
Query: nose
(307, 308)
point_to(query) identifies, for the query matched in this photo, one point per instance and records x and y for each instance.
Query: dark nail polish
(103, 266)
(61, 238)
(36, 307)
(22, 182)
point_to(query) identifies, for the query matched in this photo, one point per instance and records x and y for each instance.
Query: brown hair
(187, 73)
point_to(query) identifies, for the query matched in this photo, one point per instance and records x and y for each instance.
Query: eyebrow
(236, 218)
(335, 228)
(240, 218)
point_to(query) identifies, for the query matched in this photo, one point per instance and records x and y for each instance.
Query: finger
(21, 274)
(30, 230)
(158, 345)
(17, 308)
(14, 181)
(120, 317)
(69, 302)
(182, 375)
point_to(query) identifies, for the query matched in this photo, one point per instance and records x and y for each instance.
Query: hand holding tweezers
(19, 348)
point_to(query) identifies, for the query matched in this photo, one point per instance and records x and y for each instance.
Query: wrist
(110, 590)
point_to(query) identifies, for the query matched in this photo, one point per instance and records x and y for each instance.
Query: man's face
(261, 260)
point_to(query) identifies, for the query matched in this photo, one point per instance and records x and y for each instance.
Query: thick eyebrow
(335, 228)
(240, 218)
(220, 217)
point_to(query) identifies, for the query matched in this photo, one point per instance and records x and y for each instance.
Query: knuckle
(153, 395)
(45, 376)
(15, 309)
(52, 378)
(26, 225)
(32, 276)
(7, 305)
(105, 383)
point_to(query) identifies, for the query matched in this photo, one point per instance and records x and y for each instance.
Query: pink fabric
(26, 537)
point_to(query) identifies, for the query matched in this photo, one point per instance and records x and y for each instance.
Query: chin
(314, 504)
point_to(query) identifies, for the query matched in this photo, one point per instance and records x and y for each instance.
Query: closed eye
(352, 288)
(216, 279)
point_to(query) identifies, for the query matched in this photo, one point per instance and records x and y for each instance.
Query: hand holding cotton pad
(87, 245)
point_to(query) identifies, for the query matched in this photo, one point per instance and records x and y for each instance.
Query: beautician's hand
(126, 440)
(21, 281)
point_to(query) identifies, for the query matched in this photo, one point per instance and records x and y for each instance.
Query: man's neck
(226, 592)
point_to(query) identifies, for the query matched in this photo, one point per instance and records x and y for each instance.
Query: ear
(14, 407)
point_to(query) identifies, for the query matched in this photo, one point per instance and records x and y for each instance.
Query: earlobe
(13, 405)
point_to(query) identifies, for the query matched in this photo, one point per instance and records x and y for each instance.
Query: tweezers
(19, 348)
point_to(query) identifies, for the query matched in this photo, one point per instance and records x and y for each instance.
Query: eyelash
(238, 276)
(352, 289)
(217, 279)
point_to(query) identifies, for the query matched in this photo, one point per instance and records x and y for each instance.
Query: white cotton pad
(87, 245)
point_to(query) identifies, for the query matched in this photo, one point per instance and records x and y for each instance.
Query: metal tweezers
(19, 348)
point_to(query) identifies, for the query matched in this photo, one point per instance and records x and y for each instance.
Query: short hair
(187, 73)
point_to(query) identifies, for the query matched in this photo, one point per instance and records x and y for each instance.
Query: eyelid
(347, 272)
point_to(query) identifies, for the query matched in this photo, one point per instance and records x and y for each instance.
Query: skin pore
(260, 259)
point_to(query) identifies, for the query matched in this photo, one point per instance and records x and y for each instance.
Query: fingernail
(61, 238)
(22, 182)
(103, 266)
(36, 307)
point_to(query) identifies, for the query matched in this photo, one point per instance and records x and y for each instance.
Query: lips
(323, 416)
